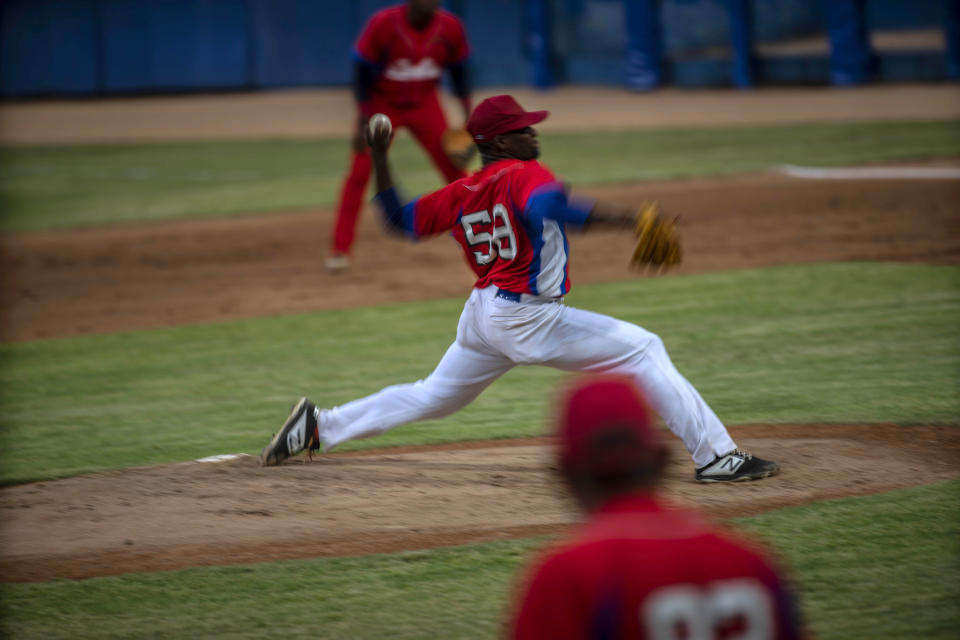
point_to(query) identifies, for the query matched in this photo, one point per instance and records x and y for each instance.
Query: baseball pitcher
(510, 219)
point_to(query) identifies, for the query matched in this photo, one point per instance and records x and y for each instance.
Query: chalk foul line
(871, 173)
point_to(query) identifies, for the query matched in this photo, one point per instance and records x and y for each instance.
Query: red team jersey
(638, 571)
(410, 61)
(510, 220)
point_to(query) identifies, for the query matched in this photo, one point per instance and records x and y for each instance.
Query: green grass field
(876, 568)
(850, 342)
(57, 187)
(856, 342)
(833, 342)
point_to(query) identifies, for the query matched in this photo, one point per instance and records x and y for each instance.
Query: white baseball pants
(495, 334)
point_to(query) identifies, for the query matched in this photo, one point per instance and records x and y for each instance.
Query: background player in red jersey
(510, 219)
(399, 56)
(638, 569)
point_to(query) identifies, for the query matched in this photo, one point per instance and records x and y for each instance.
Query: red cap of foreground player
(498, 115)
(605, 428)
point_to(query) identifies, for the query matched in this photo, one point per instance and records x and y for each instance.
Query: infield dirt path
(195, 514)
(191, 514)
(198, 514)
(135, 277)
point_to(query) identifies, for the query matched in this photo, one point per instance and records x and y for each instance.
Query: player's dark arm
(460, 84)
(364, 76)
(393, 206)
(381, 169)
(611, 216)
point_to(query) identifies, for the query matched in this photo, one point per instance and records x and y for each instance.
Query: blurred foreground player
(398, 58)
(638, 569)
(510, 219)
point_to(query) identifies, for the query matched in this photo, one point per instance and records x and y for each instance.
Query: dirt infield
(199, 514)
(196, 514)
(102, 280)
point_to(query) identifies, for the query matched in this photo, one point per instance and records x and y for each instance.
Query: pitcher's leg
(680, 405)
(594, 342)
(459, 378)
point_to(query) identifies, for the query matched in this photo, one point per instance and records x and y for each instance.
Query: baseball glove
(658, 242)
(459, 147)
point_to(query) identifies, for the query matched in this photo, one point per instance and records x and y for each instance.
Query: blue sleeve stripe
(547, 187)
(579, 209)
(408, 214)
(391, 209)
(398, 218)
(554, 205)
(540, 205)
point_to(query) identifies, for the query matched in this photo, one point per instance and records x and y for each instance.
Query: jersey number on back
(492, 231)
(689, 611)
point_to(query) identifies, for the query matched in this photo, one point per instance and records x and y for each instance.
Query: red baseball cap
(605, 428)
(498, 115)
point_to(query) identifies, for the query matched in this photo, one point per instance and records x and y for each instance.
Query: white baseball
(380, 125)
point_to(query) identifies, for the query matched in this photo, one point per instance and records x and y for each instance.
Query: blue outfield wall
(499, 34)
(300, 43)
(49, 47)
(174, 45)
(110, 47)
(297, 42)
(712, 42)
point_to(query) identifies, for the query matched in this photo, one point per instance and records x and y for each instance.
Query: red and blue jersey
(639, 571)
(409, 62)
(510, 220)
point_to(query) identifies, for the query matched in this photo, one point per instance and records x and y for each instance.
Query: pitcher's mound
(234, 511)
